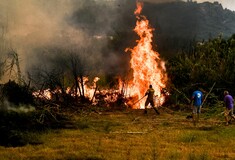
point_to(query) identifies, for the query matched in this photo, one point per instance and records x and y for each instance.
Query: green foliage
(22, 128)
(15, 129)
(211, 61)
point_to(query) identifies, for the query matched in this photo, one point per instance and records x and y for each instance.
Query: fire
(90, 92)
(43, 94)
(147, 68)
(139, 8)
(146, 64)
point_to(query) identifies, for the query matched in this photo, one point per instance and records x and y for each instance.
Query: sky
(229, 4)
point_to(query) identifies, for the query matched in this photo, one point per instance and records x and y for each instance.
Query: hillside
(187, 19)
(177, 24)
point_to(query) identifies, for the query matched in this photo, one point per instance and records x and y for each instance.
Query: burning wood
(104, 97)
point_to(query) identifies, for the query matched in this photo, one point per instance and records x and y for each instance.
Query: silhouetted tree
(12, 62)
(80, 64)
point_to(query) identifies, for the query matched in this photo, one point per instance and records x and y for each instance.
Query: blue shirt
(197, 98)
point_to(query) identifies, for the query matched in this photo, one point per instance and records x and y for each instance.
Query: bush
(21, 128)
(17, 94)
(17, 129)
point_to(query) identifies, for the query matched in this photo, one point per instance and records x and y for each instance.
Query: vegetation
(11, 89)
(132, 135)
(69, 127)
(208, 63)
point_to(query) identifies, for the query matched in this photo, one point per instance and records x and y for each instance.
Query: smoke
(7, 106)
(31, 25)
(159, 1)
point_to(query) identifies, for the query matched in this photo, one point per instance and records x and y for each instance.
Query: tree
(62, 69)
(79, 64)
(212, 61)
(4, 49)
(13, 61)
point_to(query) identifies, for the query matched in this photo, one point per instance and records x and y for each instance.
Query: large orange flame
(147, 66)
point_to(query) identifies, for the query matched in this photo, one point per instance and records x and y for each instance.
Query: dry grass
(131, 135)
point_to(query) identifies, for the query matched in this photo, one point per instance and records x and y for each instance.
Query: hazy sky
(230, 4)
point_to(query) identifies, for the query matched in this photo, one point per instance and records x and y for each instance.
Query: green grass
(131, 135)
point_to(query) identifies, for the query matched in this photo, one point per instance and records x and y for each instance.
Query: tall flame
(139, 8)
(147, 66)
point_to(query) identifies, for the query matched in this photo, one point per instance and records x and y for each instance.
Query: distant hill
(177, 24)
(191, 19)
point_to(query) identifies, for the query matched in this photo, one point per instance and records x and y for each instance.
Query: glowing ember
(147, 66)
(43, 94)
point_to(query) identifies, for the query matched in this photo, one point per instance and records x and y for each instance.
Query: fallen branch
(170, 111)
(208, 94)
(136, 119)
(47, 108)
(129, 132)
(182, 94)
(94, 94)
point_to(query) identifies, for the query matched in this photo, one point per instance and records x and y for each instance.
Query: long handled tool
(138, 100)
(205, 100)
(208, 94)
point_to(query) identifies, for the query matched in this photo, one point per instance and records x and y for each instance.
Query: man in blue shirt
(196, 100)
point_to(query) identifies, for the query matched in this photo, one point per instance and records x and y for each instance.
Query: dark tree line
(209, 62)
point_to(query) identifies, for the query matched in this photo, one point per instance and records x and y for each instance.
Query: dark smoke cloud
(32, 25)
(159, 1)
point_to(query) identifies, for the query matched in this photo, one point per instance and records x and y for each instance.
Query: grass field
(131, 135)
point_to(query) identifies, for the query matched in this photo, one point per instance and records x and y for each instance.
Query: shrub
(17, 94)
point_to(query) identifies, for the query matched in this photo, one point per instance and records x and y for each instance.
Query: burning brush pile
(147, 68)
(86, 95)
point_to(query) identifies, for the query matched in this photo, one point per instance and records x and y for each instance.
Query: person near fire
(196, 101)
(229, 103)
(150, 99)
